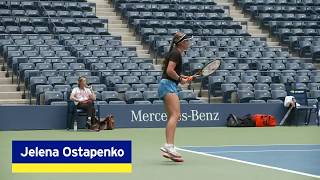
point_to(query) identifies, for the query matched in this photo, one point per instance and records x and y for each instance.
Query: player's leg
(172, 106)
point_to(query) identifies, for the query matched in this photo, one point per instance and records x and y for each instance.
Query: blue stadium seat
(158, 102)
(34, 81)
(40, 89)
(302, 79)
(52, 96)
(99, 87)
(110, 81)
(214, 84)
(93, 80)
(257, 101)
(131, 96)
(142, 102)
(248, 79)
(146, 66)
(49, 73)
(187, 95)
(60, 66)
(151, 95)
(153, 87)
(117, 102)
(121, 88)
(245, 96)
(139, 87)
(148, 80)
(131, 79)
(261, 86)
(110, 96)
(197, 102)
(232, 79)
(56, 80)
(315, 94)
(274, 101)
(115, 66)
(262, 95)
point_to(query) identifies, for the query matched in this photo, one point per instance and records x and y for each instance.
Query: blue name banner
(71, 151)
(71, 156)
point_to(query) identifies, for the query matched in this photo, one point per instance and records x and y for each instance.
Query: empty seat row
(287, 21)
(278, 88)
(44, 22)
(169, 7)
(294, 24)
(131, 15)
(245, 3)
(112, 53)
(28, 5)
(56, 30)
(310, 73)
(129, 97)
(218, 24)
(283, 9)
(47, 13)
(206, 2)
(265, 17)
(112, 81)
(80, 30)
(64, 37)
(145, 32)
(217, 80)
(245, 96)
(88, 42)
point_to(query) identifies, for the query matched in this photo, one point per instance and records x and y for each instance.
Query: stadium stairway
(117, 27)
(104, 9)
(8, 93)
(253, 28)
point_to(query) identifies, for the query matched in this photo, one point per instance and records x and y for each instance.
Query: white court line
(262, 151)
(251, 163)
(262, 145)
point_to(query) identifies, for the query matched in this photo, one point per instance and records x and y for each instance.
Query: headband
(182, 39)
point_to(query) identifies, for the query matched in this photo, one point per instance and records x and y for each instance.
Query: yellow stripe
(71, 168)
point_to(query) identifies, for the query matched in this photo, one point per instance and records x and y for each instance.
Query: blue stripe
(18, 149)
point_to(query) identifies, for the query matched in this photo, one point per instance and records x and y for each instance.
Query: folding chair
(302, 98)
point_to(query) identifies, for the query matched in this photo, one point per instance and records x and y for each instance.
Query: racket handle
(190, 78)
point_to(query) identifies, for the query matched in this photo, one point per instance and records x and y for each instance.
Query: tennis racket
(207, 70)
(285, 117)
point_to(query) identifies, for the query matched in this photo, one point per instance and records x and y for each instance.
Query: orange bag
(263, 120)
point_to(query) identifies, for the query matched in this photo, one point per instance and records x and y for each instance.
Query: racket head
(211, 67)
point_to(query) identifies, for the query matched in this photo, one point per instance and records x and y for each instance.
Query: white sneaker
(171, 150)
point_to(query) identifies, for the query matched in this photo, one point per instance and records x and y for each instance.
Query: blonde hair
(81, 78)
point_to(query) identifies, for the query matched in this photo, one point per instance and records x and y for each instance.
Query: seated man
(290, 101)
(83, 98)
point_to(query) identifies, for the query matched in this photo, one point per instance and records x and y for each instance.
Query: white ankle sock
(168, 145)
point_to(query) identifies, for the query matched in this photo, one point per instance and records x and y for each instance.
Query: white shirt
(288, 100)
(81, 94)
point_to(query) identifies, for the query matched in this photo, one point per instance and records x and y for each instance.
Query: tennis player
(171, 77)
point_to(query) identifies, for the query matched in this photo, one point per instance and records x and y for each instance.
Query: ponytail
(172, 44)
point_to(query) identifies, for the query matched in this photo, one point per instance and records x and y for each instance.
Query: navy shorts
(167, 86)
